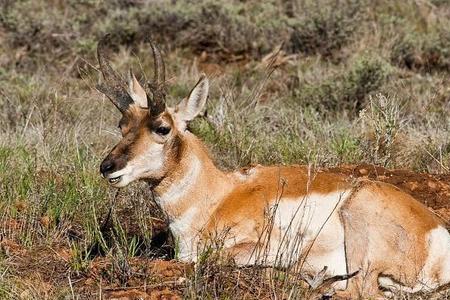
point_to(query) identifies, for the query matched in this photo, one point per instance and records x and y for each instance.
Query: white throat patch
(181, 187)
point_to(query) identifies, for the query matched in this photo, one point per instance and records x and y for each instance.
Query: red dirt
(148, 279)
(164, 294)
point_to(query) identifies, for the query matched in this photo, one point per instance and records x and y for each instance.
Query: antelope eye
(162, 130)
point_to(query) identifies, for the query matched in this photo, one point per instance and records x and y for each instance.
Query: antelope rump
(317, 218)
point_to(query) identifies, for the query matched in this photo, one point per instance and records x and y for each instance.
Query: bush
(425, 52)
(325, 27)
(347, 91)
(204, 26)
(233, 32)
(384, 122)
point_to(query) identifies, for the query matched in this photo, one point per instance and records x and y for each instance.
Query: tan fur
(363, 225)
(237, 202)
(385, 232)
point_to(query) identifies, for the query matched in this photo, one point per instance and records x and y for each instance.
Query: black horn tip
(113, 87)
(158, 86)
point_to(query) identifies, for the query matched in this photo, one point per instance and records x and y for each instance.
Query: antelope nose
(106, 167)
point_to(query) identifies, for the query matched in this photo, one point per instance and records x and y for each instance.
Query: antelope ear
(191, 106)
(136, 91)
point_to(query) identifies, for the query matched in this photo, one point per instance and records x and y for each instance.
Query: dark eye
(162, 130)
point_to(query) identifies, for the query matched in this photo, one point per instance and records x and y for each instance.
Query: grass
(355, 82)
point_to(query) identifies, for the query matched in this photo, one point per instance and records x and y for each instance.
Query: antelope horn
(158, 86)
(113, 87)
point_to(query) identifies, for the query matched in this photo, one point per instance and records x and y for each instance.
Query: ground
(47, 267)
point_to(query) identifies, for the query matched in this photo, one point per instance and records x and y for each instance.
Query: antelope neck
(196, 183)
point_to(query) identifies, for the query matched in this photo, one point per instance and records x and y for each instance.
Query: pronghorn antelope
(319, 219)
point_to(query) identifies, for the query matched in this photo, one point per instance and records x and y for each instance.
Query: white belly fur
(299, 224)
(308, 232)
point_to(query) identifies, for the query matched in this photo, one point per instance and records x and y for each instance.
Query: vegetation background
(325, 83)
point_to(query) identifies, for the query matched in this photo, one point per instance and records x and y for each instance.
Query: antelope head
(152, 133)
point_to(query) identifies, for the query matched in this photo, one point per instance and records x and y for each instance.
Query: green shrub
(345, 91)
(429, 51)
(384, 123)
(325, 26)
